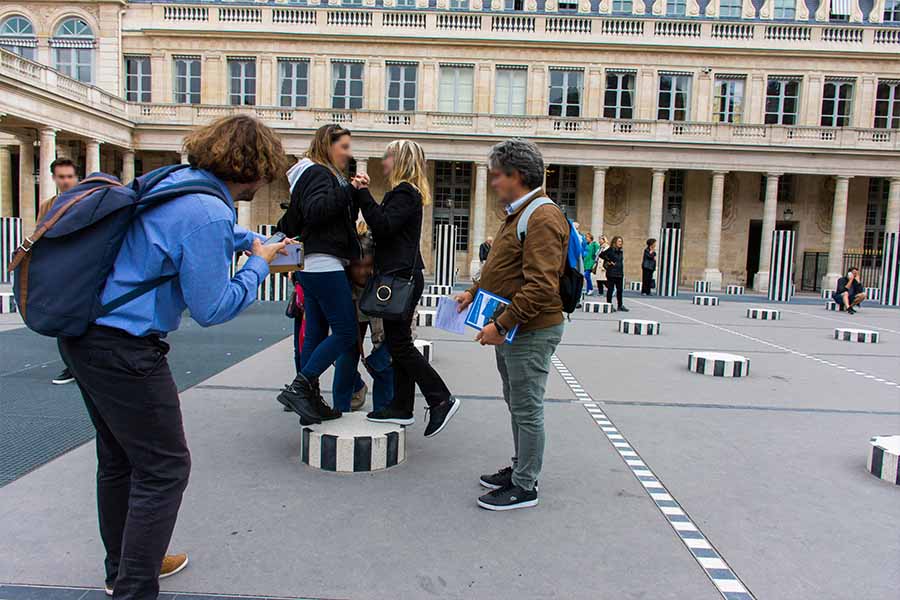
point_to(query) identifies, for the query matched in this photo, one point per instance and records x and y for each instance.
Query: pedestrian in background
(598, 265)
(615, 271)
(591, 250)
(648, 267)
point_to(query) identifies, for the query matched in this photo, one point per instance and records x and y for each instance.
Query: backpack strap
(522, 224)
(135, 293)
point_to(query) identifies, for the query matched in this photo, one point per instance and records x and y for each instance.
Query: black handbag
(388, 297)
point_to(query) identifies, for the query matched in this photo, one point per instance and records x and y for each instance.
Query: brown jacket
(528, 273)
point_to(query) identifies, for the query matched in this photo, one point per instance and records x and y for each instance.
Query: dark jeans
(327, 302)
(646, 282)
(143, 460)
(614, 282)
(410, 367)
(347, 380)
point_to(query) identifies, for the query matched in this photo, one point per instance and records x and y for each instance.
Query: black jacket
(396, 226)
(615, 256)
(855, 288)
(649, 261)
(483, 251)
(323, 214)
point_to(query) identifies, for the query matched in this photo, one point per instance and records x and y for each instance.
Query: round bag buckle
(383, 293)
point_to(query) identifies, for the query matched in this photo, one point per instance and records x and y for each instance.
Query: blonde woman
(396, 225)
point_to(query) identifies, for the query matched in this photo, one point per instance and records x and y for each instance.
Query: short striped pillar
(718, 364)
(352, 444)
(429, 300)
(734, 290)
(10, 238)
(7, 302)
(597, 307)
(873, 293)
(706, 300)
(440, 290)
(445, 254)
(884, 458)
(669, 262)
(831, 305)
(701, 287)
(890, 270)
(764, 314)
(827, 294)
(276, 287)
(863, 336)
(425, 318)
(638, 327)
(781, 266)
(426, 348)
(635, 286)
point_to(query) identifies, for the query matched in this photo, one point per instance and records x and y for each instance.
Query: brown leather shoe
(173, 563)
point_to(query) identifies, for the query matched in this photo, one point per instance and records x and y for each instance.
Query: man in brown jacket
(525, 271)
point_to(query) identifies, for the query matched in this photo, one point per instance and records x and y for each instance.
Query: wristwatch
(500, 328)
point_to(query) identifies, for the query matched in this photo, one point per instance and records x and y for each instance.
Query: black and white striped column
(440, 290)
(781, 266)
(429, 300)
(706, 300)
(426, 348)
(873, 293)
(352, 444)
(276, 287)
(863, 336)
(7, 302)
(764, 314)
(597, 307)
(669, 262)
(827, 294)
(635, 286)
(425, 318)
(890, 270)
(10, 238)
(445, 255)
(884, 458)
(639, 327)
(831, 305)
(701, 287)
(718, 364)
(734, 290)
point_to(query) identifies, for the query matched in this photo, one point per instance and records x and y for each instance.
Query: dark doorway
(754, 239)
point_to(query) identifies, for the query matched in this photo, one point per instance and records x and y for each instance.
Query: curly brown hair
(238, 149)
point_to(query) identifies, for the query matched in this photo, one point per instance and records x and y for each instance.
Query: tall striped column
(10, 238)
(890, 270)
(781, 266)
(669, 262)
(445, 255)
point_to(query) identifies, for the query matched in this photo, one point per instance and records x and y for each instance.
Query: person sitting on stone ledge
(849, 293)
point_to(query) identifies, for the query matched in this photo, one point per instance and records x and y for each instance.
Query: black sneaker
(391, 415)
(851, 311)
(623, 309)
(63, 378)
(440, 415)
(508, 498)
(501, 478)
(300, 397)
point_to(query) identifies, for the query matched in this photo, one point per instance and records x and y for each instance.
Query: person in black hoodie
(322, 213)
(648, 266)
(615, 270)
(396, 225)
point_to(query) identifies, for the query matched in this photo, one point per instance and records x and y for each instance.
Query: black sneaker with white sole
(440, 415)
(509, 497)
(391, 415)
(501, 478)
(63, 378)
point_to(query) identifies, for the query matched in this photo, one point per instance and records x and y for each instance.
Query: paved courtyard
(658, 482)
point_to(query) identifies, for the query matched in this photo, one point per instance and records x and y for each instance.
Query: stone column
(479, 215)
(892, 219)
(26, 185)
(838, 228)
(711, 273)
(770, 216)
(244, 213)
(47, 189)
(656, 203)
(127, 166)
(598, 202)
(6, 195)
(91, 157)
(362, 165)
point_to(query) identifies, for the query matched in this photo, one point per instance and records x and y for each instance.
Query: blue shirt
(513, 207)
(195, 237)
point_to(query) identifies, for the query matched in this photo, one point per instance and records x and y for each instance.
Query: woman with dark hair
(396, 225)
(648, 266)
(615, 271)
(322, 214)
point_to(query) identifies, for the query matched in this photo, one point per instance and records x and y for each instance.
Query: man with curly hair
(120, 363)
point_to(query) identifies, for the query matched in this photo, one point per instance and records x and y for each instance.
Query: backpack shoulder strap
(522, 224)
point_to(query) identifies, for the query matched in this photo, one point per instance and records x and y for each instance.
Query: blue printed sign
(484, 306)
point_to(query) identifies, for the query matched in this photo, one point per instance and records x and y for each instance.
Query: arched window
(73, 45)
(17, 35)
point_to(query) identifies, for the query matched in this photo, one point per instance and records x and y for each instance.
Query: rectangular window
(785, 9)
(137, 78)
(728, 104)
(674, 199)
(730, 9)
(568, 5)
(887, 105)
(401, 86)
(25, 51)
(562, 186)
(837, 99)
(674, 97)
(618, 100)
(187, 80)
(622, 7)
(456, 89)
(676, 8)
(77, 63)
(510, 94)
(452, 199)
(565, 92)
(293, 83)
(406, 3)
(785, 188)
(782, 101)
(242, 81)
(876, 215)
(892, 11)
(347, 85)
(515, 5)
(459, 4)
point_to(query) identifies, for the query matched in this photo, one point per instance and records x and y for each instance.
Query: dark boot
(326, 413)
(300, 397)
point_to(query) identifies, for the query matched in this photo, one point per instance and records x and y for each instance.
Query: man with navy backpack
(529, 265)
(175, 256)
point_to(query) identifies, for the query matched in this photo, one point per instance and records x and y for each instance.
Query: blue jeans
(347, 380)
(327, 303)
(589, 285)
